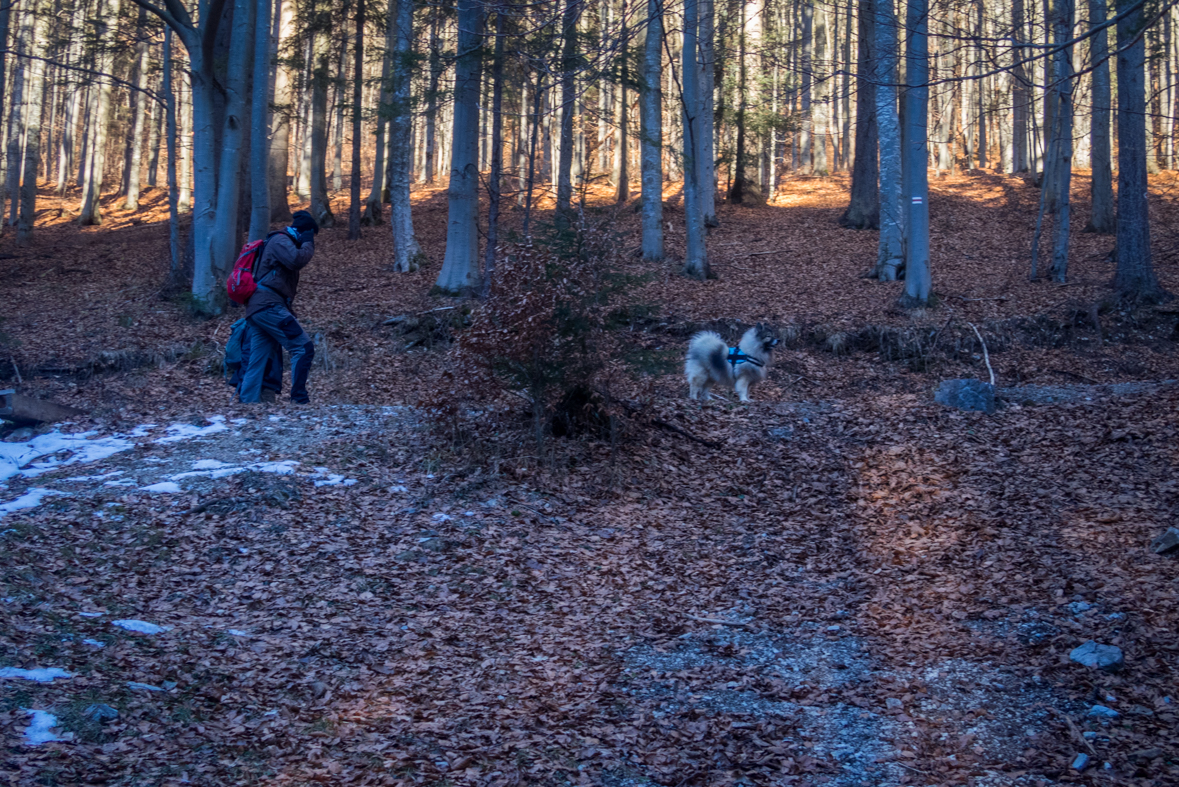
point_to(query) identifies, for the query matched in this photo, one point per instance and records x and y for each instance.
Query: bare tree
(357, 111)
(696, 259)
(260, 125)
(863, 210)
(1101, 220)
(891, 254)
(916, 140)
(280, 136)
(407, 254)
(36, 91)
(651, 129)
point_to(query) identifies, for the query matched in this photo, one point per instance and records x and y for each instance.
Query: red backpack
(241, 284)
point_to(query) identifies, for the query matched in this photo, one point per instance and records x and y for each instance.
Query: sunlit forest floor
(840, 583)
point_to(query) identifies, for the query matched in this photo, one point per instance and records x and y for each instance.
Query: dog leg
(742, 387)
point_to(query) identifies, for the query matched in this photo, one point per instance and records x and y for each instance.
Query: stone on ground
(1106, 658)
(970, 395)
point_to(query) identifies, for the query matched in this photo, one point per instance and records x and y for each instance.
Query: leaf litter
(895, 580)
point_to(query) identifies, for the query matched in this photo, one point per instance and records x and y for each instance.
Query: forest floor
(840, 583)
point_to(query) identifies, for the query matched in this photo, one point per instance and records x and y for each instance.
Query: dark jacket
(277, 273)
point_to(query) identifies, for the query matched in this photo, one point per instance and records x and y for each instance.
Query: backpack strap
(258, 259)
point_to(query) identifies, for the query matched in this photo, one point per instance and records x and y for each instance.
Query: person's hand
(306, 237)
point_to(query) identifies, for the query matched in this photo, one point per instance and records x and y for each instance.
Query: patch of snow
(92, 614)
(41, 675)
(94, 643)
(142, 430)
(239, 421)
(238, 632)
(164, 487)
(440, 518)
(79, 446)
(40, 729)
(285, 467)
(335, 480)
(178, 432)
(131, 684)
(124, 482)
(468, 513)
(30, 499)
(141, 626)
(208, 464)
(275, 418)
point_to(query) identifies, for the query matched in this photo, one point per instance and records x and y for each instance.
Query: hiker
(237, 360)
(269, 313)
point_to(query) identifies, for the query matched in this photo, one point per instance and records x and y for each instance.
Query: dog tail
(709, 350)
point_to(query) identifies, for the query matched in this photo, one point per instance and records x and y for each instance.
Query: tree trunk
(737, 187)
(435, 63)
(91, 212)
(36, 91)
(1135, 279)
(280, 138)
(226, 238)
(260, 124)
(1101, 219)
(460, 268)
(863, 211)
(320, 80)
(916, 176)
(407, 254)
(1062, 25)
(357, 96)
(1020, 92)
(807, 121)
(336, 125)
(891, 254)
(620, 173)
(372, 205)
(497, 154)
(696, 259)
(651, 120)
(133, 165)
(568, 106)
(178, 277)
(706, 159)
(65, 154)
(184, 176)
(17, 118)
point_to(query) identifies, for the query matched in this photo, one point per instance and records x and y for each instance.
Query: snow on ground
(82, 448)
(40, 675)
(30, 499)
(40, 729)
(178, 432)
(164, 487)
(140, 626)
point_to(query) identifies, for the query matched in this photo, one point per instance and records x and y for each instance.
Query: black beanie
(303, 221)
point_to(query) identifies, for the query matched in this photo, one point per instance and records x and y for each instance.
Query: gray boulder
(100, 713)
(970, 395)
(1106, 658)
(1167, 543)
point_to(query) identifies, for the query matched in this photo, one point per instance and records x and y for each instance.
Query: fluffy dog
(710, 362)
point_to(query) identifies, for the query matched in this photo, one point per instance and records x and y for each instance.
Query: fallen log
(27, 410)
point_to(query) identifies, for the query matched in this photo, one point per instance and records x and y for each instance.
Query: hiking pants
(276, 323)
(272, 377)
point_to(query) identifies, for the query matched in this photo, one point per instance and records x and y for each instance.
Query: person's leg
(255, 353)
(282, 326)
(272, 380)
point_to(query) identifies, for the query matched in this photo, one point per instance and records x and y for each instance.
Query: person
(237, 360)
(270, 313)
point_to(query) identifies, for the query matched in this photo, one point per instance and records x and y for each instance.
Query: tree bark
(91, 211)
(620, 172)
(178, 276)
(372, 205)
(651, 120)
(568, 108)
(36, 91)
(706, 159)
(407, 254)
(139, 102)
(737, 186)
(320, 79)
(891, 254)
(357, 96)
(863, 210)
(435, 64)
(460, 268)
(1101, 220)
(807, 121)
(1020, 92)
(260, 124)
(280, 138)
(696, 259)
(1135, 279)
(1063, 14)
(916, 175)
(497, 155)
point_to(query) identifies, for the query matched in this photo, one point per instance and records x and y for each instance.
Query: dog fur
(707, 362)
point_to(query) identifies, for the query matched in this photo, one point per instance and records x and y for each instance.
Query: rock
(1167, 543)
(100, 713)
(1102, 712)
(1106, 658)
(1080, 762)
(970, 395)
(1078, 607)
(1145, 755)
(21, 435)
(318, 689)
(893, 703)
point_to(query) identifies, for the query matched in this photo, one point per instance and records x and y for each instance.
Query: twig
(986, 355)
(439, 309)
(16, 369)
(684, 433)
(911, 768)
(734, 623)
(763, 253)
(998, 298)
(1073, 729)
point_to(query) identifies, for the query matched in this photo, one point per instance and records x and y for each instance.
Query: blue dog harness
(736, 357)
